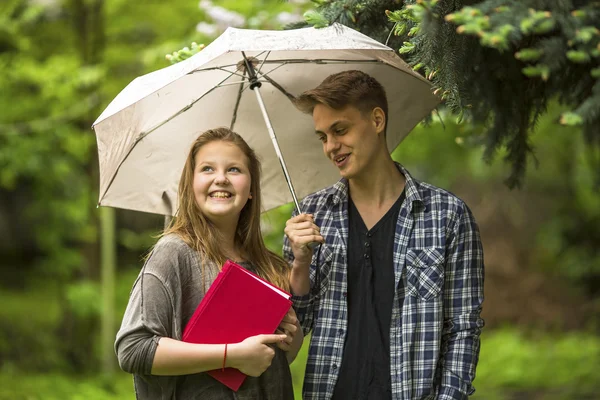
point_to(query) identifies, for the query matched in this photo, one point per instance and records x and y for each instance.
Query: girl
(218, 219)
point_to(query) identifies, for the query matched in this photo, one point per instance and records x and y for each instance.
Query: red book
(238, 304)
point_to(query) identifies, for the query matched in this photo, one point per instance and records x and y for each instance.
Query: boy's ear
(378, 117)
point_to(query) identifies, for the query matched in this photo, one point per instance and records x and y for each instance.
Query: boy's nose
(331, 144)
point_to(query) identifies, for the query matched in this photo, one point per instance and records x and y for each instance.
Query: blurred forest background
(61, 62)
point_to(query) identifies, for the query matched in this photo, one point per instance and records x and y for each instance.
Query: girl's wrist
(232, 355)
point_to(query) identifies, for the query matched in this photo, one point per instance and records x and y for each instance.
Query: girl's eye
(206, 168)
(235, 169)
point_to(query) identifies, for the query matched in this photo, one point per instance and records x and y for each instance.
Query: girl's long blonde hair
(201, 234)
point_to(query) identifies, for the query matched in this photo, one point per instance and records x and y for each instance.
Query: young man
(394, 291)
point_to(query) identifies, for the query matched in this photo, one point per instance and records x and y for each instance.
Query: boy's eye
(323, 138)
(340, 131)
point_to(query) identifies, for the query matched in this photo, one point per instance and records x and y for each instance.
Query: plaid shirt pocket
(425, 272)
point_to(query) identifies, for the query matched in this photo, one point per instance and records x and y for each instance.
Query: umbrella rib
(279, 87)
(144, 134)
(285, 62)
(184, 109)
(221, 69)
(262, 62)
(237, 102)
(329, 61)
(291, 61)
(233, 83)
(324, 61)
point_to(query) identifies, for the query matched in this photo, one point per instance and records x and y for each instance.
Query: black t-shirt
(365, 369)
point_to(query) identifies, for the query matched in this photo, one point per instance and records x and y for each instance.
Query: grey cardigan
(163, 299)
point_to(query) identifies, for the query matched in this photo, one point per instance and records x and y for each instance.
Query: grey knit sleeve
(150, 312)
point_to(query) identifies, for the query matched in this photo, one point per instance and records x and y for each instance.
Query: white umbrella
(145, 133)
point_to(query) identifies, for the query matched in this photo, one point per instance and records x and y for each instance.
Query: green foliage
(272, 225)
(54, 59)
(137, 241)
(83, 299)
(510, 359)
(27, 331)
(184, 53)
(41, 141)
(316, 19)
(580, 40)
(565, 245)
(17, 386)
(469, 50)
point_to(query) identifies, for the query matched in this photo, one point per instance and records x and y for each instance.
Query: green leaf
(529, 54)
(471, 28)
(316, 19)
(539, 70)
(457, 18)
(494, 40)
(571, 119)
(414, 30)
(544, 26)
(406, 48)
(400, 29)
(578, 56)
(394, 16)
(587, 33)
(527, 25)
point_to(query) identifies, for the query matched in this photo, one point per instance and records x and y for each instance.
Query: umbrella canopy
(145, 133)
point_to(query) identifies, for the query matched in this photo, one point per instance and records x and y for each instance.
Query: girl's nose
(221, 179)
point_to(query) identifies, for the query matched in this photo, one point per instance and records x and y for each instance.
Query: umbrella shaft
(276, 146)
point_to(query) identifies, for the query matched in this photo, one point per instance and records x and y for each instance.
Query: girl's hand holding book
(254, 355)
(289, 327)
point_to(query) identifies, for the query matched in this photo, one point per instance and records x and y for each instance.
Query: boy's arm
(463, 298)
(300, 232)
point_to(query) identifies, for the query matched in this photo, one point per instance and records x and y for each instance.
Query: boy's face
(351, 140)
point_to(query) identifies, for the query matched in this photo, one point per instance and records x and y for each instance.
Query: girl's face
(221, 181)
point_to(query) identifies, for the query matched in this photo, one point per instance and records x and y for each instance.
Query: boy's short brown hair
(346, 88)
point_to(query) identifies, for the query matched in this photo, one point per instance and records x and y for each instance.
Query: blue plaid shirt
(438, 268)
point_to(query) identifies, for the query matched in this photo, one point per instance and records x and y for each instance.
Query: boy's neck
(381, 184)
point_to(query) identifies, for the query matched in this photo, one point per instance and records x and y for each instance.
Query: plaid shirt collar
(338, 192)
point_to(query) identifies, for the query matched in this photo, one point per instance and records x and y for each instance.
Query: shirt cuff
(301, 302)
